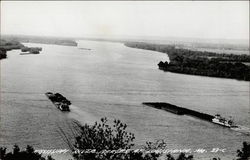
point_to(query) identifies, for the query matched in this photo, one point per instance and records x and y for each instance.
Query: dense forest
(200, 63)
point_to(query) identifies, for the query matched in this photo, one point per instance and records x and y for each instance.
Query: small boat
(59, 101)
(222, 121)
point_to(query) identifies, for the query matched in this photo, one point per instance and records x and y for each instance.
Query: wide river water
(112, 80)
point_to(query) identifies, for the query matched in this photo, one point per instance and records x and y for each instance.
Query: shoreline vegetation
(201, 63)
(42, 40)
(8, 46)
(92, 142)
(9, 43)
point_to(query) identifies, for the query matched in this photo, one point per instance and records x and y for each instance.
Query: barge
(59, 101)
(217, 119)
(166, 106)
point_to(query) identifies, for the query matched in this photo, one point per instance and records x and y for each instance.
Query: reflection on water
(113, 80)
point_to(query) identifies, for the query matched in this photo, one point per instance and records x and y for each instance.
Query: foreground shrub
(244, 153)
(16, 154)
(103, 141)
(104, 138)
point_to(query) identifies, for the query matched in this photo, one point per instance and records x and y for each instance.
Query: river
(112, 80)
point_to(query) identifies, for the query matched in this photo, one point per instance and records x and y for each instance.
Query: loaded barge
(59, 101)
(166, 106)
(217, 119)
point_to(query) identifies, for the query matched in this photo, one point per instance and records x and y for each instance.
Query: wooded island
(200, 62)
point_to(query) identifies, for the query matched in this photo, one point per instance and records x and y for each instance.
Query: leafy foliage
(3, 54)
(101, 136)
(244, 153)
(182, 156)
(17, 154)
(103, 142)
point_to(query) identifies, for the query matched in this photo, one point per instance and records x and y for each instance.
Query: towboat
(222, 121)
(59, 101)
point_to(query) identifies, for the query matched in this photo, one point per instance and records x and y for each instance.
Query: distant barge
(59, 101)
(85, 49)
(217, 119)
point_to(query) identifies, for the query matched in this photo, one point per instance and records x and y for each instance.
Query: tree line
(200, 63)
(206, 67)
(174, 51)
(7, 46)
(103, 136)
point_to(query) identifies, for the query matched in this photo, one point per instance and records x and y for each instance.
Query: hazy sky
(226, 20)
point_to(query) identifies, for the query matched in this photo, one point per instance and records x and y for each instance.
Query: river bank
(112, 82)
(42, 40)
(200, 63)
(10, 42)
(6, 46)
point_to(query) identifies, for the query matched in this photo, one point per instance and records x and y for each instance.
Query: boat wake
(242, 129)
(81, 116)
